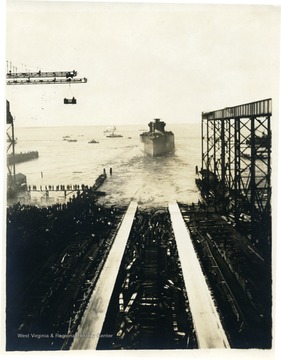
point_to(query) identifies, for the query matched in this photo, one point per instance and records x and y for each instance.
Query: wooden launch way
(208, 327)
(90, 328)
(209, 330)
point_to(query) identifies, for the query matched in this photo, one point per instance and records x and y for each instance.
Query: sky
(142, 61)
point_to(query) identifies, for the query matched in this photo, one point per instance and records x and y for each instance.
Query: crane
(32, 78)
(37, 78)
(40, 74)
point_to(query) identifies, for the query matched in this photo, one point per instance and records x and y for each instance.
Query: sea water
(151, 181)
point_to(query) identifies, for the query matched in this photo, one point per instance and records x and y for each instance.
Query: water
(152, 182)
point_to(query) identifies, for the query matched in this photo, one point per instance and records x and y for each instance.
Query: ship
(157, 141)
(111, 133)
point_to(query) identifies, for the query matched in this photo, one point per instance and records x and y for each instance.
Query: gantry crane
(32, 78)
(37, 78)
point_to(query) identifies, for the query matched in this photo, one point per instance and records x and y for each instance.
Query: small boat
(72, 140)
(70, 101)
(93, 142)
(112, 133)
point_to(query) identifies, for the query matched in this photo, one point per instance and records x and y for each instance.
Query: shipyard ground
(56, 255)
(239, 276)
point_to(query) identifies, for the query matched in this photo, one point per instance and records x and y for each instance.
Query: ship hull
(158, 145)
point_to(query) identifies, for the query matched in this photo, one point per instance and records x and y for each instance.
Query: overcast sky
(142, 61)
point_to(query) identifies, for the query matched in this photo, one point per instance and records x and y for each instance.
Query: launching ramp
(88, 332)
(208, 327)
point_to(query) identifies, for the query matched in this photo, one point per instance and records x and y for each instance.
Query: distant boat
(93, 142)
(72, 140)
(112, 133)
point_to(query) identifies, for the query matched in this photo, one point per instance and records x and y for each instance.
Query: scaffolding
(236, 164)
(11, 142)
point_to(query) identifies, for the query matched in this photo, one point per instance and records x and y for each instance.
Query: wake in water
(151, 181)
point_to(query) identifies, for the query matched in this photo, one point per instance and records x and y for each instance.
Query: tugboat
(112, 133)
(157, 141)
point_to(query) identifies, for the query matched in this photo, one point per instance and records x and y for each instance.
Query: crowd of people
(37, 236)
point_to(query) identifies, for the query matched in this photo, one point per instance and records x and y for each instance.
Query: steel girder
(11, 142)
(236, 162)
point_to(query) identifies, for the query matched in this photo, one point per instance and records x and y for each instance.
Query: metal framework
(236, 165)
(11, 142)
(37, 78)
(41, 74)
(53, 81)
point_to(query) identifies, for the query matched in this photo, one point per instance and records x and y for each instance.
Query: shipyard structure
(235, 175)
(157, 141)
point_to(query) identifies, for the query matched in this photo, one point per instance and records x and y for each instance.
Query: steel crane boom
(40, 77)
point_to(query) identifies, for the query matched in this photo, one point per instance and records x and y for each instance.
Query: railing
(257, 108)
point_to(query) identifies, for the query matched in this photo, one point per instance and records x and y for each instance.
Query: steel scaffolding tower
(11, 141)
(236, 165)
